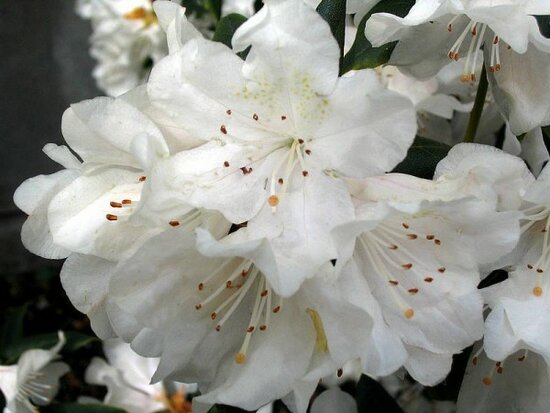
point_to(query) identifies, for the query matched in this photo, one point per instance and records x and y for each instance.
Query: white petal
(334, 400)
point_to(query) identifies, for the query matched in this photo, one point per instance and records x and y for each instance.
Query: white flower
(33, 380)
(334, 400)
(127, 40)
(127, 377)
(434, 107)
(531, 148)
(213, 318)
(520, 383)
(515, 51)
(280, 133)
(244, 7)
(91, 215)
(520, 307)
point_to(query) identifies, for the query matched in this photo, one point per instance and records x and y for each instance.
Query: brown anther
(273, 200)
(437, 241)
(201, 286)
(474, 361)
(250, 329)
(473, 77)
(277, 309)
(412, 236)
(142, 178)
(198, 306)
(174, 223)
(226, 164)
(491, 69)
(244, 273)
(500, 370)
(283, 117)
(263, 293)
(281, 181)
(228, 284)
(537, 291)
(428, 279)
(213, 315)
(521, 358)
(465, 78)
(406, 226)
(339, 373)
(301, 141)
(495, 40)
(263, 327)
(474, 30)
(497, 67)
(308, 151)
(228, 111)
(115, 204)
(255, 116)
(498, 363)
(223, 129)
(509, 47)
(441, 270)
(529, 266)
(393, 282)
(111, 217)
(451, 55)
(412, 290)
(487, 381)
(456, 57)
(407, 266)
(305, 173)
(393, 247)
(450, 27)
(126, 201)
(408, 313)
(240, 358)
(430, 237)
(540, 270)
(245, 170)
(218, 327)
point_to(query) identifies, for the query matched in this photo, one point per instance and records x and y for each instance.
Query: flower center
(475, 32)
(387, 249)
(538, 221)
(147, 16)
(282, 172)
(227, 287)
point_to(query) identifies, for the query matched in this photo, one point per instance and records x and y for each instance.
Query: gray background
(44, 68)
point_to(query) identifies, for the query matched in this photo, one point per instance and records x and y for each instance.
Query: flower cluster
(237, 216)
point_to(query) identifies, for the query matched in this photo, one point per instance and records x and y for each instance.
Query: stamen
(115, 204)
(111, 217)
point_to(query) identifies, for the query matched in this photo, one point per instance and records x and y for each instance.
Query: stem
(475, 115)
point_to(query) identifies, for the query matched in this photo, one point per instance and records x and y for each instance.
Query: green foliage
(13, 343)
(80, 408)
(334, 12)
(200, 7)
(362, 54)
(227, 27)
(544, 25)
(422, 158)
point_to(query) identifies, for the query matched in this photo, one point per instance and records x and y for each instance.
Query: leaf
(80, 408)
(362, 54)
(12, 330)
(214, 7)
(227, 27)
(75, 341)
(334, 12)
(371, 397)
(544, 25)
(422, 158)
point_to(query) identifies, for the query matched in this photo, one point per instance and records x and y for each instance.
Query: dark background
(45, 67)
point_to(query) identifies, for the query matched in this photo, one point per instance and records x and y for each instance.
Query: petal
(428, 368)
(334, 400)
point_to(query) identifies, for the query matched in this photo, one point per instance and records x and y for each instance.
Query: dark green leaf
(334, 12)
(544, 25)
(372, 397)
(227, 27)
(12, 330)
(80, 408)
(75, 341)
(362, 55)
(422, 158)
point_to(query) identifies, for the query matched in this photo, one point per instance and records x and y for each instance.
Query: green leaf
(80, 408)
(12, 330)
(227, 27)
(544, 25)
(214, 7)
(334, 12)
(362, 54)
(75, 341)
(422, 158)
